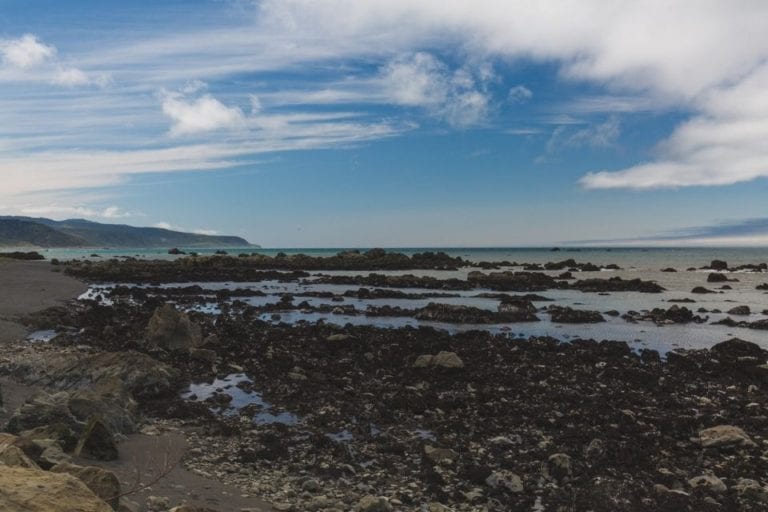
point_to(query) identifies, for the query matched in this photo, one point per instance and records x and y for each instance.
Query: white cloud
(416, 80)
(208, 232)
(633, 48)
(70, 77)
(519, 94)
(203, 114)
(173, 227)
(422, 80)
(25, 52)
(724, 144)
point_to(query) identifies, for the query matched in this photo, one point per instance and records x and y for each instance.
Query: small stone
(440, 455)
(158, 503)
(443, 359)
(724, 436)
(594, 450)
(338, 337)
(311, 485)
(373, 504)
(559, 466)
(751, 490)
(709, 482)
(505, 480)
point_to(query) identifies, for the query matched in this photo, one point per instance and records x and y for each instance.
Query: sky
(393, 123)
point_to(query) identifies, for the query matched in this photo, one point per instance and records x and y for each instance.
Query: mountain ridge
(17, 231)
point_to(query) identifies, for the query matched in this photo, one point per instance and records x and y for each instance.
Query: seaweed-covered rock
(716, 277)
(718, 265)
(740, 311)
(42, 409)
(172, 330)
(736, 348)
(566, 315)
(97, 442)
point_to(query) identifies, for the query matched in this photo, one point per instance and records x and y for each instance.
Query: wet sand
(146, 455)
(29, 286)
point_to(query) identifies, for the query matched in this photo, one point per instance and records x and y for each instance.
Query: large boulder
(718, 265)
(47, 452)
(42, 409)
(97, 442)
(109, 400)
(12, 455)
(59, 433)
(103, 483)
(716, 277)
(139, 374)
(170, 329)
(34, 490)
(736, 348)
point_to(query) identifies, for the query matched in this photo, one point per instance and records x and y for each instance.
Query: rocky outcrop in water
(566, 315)
(617, 284)
(661, 316)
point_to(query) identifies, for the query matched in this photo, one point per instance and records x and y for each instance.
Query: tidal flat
(385, 381)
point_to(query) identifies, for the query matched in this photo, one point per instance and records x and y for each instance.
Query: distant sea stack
(74, 233)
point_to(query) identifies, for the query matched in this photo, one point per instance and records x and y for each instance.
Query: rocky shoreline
(324, 417)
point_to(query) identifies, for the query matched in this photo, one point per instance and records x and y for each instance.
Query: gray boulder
(170, 329)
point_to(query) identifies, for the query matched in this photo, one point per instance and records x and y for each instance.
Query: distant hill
(40, 232)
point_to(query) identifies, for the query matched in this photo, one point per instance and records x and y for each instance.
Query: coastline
(327, 416)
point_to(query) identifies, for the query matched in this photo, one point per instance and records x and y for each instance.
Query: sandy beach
(29, 287)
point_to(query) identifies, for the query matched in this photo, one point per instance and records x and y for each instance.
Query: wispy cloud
(744, 232)
(57, 211)
(602, 135)
(519, 94)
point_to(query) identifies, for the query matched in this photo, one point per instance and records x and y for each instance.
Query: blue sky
(391, 123)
